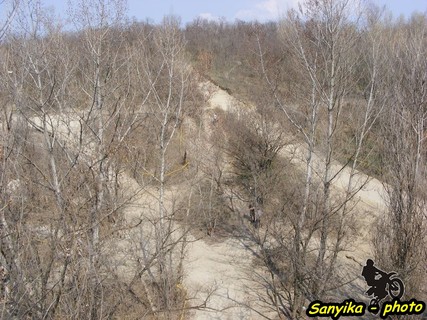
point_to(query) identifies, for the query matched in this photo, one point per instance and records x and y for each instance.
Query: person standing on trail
(214, 119)
(252, 212)
(258, 215)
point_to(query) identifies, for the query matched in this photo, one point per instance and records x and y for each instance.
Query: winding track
(225, 265)
(220, 270)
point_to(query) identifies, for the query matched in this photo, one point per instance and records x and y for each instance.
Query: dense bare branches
(403, 136)
(321, 39)
(109, 157)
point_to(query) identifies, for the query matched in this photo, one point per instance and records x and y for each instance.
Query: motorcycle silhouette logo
(382, 284)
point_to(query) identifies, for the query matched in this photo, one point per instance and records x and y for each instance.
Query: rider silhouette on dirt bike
(378, 286)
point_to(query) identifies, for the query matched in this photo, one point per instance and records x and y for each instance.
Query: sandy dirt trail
(221, 269)
(216, 273)
(225, 265)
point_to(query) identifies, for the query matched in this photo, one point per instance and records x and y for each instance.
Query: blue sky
(230, 9)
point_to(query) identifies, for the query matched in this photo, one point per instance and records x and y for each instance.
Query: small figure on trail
(184, 158)
(252, 212)
(214, 119)
(258, 215)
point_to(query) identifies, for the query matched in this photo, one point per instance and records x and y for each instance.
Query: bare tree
(36, 271)
(403, 136)
(321, 38)
(163, 72)
(10, 7)
(71, 104)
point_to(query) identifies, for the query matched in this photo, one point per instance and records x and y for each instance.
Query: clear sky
(230, 9)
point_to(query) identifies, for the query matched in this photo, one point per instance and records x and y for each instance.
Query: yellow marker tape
(179, 169)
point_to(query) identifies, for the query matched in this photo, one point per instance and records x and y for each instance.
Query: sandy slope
(372, 192)
(224, 265)
(218, 272)
(221, 269)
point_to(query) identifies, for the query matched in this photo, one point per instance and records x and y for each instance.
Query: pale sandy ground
(221, 269)
(372, 194)
(225, 265)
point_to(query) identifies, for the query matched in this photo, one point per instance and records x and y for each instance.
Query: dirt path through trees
(223, 273)
(223, 266)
